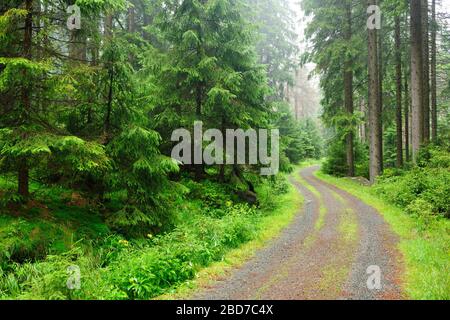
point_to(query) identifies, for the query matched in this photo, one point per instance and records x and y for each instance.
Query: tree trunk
(77, 46)
(398, 58)
(107, 121)
(23, 186)
(199, 168)
(348, 96)
(224, 155)
(380, 95)
(131, 19)
(433, 73)
(23, 169)
(374, 104)
(28, 29)
(407, 155)
(362, 126)
(426, 72)
(108, 25)
(416, 77)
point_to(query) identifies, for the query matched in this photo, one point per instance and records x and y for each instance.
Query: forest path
(325, 253)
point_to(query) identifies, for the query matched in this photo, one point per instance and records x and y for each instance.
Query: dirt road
(337, 247)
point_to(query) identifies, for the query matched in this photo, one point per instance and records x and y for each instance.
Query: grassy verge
(269, 226)
(426, 252)
(322, 209)
(214, 232)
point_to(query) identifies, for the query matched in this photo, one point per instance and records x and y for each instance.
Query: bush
(175, 257)
(422, 210)
(428, 183)
(336, 162)
(113, 267)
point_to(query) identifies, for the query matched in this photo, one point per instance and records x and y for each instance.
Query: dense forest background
(381, 107)
(86, 121)
(94, 109)
(86, 118)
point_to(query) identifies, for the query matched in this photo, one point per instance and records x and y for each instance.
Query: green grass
(348, 226)
(214, 232)
(320, 222)
(31, 231)
(426, 253)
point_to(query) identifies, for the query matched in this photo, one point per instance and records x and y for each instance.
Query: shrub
(336, 163)
(175, 257)
(429, 182)
(423, 212)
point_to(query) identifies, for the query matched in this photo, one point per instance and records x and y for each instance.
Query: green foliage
(426, 187)
(300, 140)
(114, 268)
(273, 18)
(175, 257)
(269, 191)
(33, 237)
(422, 210)
(140, 175)
(336, 164)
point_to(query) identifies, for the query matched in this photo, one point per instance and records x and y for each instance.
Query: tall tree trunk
(107, 121)
(433, 73)
(23, 169)
(224, 155)
(426, 72)
(380, 93)
(77, 46)
(374, 104)
(23, 186)
(398, 118)
(198, 168)
(348, 96)
(108, 25)
(131, 18)
(416, 77)
(363, 125)
(93, 48)
(407, 155)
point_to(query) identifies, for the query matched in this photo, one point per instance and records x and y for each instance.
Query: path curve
(325, 253)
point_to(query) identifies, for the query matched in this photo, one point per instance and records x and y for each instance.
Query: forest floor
(329, 251)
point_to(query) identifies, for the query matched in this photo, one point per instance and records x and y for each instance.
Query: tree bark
(433, 73)
(398, 58)
(426, 72)
(416, 77)
(380, 93)
(375, 166)
(407, 154)
(131, 19)
(108, 25)
(107, 121)
(23, 186)
(77, 46)
(23, 169)
(348, 96)
(198, 168)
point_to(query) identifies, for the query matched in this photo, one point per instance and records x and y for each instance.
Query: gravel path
(324, 253)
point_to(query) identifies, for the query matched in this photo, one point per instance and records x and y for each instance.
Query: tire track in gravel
(323, 254)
